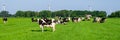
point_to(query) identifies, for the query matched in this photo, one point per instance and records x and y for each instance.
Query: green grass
(24, 29)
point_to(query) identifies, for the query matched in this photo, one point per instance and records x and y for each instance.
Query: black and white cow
(88, 17)
(47, 23)
(64, 20)
(102, 20)
(83, 18)
(5, 19)
(99, 20)
(75, 19)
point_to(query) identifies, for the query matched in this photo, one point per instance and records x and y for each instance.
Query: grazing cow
(99, 20)
(46, 23)
(5, 19)
(34, 20)
(58, 20)
(82, 18)
(64, 20)
(76, 19)
(88, 17)
(102, 20)
(96, 19)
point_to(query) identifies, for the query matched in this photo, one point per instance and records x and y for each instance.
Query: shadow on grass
(39, 30)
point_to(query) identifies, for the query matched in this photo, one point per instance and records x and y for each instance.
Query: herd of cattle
(47, 22)
(51, 22)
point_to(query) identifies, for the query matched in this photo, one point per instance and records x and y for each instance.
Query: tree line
(59, 13)
(115, 14)
(5, 14)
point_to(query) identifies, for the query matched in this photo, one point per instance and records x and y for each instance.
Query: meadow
(24, 29)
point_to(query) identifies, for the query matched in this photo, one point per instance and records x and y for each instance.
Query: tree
(99, 13)
(4, 14)
(115, 14)
(60, 13)
(20, 14)
(45, 13)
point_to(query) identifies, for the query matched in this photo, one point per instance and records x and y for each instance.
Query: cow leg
(4, 21)
(53, 26)
(42, 28)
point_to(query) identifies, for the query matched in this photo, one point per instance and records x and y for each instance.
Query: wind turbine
(4, 9)
(89, 8)
(90, 5)
(4, 6)
(49, 6)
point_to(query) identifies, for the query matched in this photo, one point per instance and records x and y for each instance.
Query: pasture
(24, 29)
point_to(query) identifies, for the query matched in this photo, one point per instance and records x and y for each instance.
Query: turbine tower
(4, 7)
(89, 8)
(49, 6)
(90, 5)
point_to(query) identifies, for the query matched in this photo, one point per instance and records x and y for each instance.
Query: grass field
(24, 29)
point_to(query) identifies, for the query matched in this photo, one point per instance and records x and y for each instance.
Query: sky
(37, 5)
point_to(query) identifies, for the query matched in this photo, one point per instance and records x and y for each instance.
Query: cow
(102, 20)
(64, 20)
(5, 19)
(96, 19)
(47, 23)
(61, 20)
(88, 17)
(74, 19)
(99, 20)
(57, 21)
(83, 18)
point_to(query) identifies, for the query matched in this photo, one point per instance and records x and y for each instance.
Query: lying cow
(99, 20)
(76, 19)
(5, 19)
(47, 23)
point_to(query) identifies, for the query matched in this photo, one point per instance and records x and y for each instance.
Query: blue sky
(37, 5)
